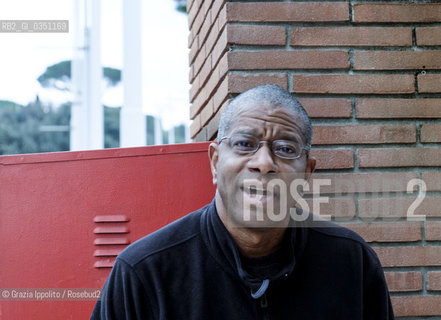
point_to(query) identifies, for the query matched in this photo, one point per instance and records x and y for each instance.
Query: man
(251, 254)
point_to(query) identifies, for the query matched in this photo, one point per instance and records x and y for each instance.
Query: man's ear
(310, 167)
(213, 154)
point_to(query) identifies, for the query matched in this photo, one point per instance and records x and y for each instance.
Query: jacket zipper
(264, 307)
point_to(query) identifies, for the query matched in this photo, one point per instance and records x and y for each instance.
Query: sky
(25, 56)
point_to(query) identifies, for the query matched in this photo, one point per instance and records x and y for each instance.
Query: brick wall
(368, 73)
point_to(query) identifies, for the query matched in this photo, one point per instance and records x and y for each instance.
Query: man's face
(245, 192)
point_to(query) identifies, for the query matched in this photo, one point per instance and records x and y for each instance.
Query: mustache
(264, 180)
(275, 185)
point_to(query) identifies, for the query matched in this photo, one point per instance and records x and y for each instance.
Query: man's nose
(263, 161)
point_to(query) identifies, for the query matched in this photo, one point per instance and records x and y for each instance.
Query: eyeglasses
(246, 144)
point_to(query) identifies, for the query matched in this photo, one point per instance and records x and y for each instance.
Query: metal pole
(78, 134)
(133, 126)
(95, 107)
(87, 116)
(158, 131)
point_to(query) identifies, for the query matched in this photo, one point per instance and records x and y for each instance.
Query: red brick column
(369, 76)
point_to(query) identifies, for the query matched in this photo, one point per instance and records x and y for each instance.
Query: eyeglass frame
(270, 145)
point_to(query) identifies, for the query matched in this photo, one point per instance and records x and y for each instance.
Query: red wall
(65, 216)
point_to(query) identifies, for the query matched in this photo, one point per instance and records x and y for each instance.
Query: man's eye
(287, 149)
(243, 144)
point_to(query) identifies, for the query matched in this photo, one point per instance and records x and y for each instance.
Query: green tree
(44, 128)
(22, 128)
(150, 127)
(51, 141)
(111, 127)
(58, 76)
(181, 5)
(180, 134)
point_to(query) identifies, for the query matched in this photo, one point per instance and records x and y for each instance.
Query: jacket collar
(224, 250)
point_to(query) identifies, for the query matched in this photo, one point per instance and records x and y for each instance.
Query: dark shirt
(192, 269)
(269, 266)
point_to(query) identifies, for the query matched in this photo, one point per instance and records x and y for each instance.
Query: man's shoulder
(334, 239)
(331, 230)
(167, 237)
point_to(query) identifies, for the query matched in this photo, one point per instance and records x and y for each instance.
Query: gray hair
(268, 93)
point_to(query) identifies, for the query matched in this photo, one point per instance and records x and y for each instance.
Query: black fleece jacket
(192, 269)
